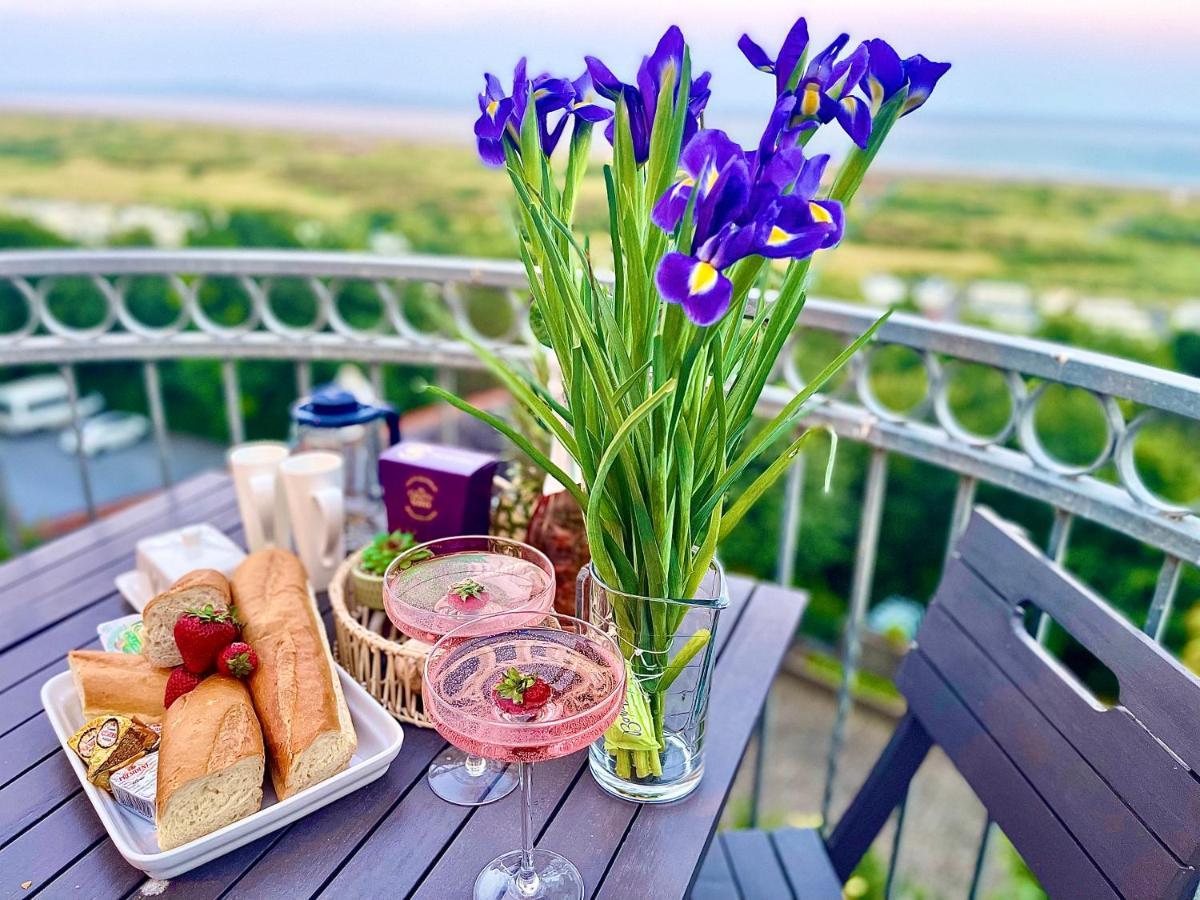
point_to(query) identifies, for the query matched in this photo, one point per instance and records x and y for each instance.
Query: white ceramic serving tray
(379, 740)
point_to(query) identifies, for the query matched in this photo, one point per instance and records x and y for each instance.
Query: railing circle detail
(1131, 478)
(868, 397)
(1031, 443)
(946, 417)
(41, 300)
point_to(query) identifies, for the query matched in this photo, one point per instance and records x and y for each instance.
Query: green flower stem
(693, 646)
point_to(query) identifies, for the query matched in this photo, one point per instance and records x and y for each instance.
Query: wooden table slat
(30, 797)
(756, 868)
(318, 844)
(110, 528)
(70, 579)
(24, 747)
(671, 840)
(48, 847)
(100, 874)
(101, 552)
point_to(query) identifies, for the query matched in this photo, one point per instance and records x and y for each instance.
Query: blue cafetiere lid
(331, 406)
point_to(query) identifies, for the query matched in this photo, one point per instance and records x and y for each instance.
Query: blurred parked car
(41, 401)
(113, 430)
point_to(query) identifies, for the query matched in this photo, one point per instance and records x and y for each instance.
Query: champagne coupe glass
(472, 582)
(524, 694)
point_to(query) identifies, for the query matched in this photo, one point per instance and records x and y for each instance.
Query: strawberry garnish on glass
(520, 694)
(468, 595)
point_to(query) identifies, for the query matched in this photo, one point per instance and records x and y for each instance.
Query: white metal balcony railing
(931, 432)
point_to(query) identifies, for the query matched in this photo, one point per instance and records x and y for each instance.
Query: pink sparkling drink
(585, 675)
(441, 593)
(538, 691)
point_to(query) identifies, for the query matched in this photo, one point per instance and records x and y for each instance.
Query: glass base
(682, 769)
(554, 878)
(470, 781)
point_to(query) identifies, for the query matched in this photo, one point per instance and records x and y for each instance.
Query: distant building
(934, 296)
(1056, 302)
(1003, 304)
(1186, 316)
(1117, 314)
(883, 290)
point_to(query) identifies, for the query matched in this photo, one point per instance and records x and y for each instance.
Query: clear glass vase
(669, 645)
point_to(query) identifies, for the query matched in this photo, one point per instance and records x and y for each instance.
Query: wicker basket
(384, 661)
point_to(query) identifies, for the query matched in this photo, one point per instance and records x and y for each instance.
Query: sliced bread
(195, 590)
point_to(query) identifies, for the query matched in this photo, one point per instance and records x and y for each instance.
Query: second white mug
(312, 483)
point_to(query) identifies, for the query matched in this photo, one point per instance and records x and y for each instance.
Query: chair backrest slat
(1042, 840)
(1092, 797)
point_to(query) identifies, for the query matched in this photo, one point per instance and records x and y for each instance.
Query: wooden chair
(1100, 802)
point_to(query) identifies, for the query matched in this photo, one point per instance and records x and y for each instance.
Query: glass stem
(527, 877)
(475, 765)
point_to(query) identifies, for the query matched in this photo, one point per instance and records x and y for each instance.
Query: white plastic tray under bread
(379, 740)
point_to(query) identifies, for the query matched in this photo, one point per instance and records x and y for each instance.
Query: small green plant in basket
(372, 565)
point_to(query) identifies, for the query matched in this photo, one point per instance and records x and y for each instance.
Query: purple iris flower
(742, 204)
(886, 74)
(641, 99)
(500, 116)
(822, 90)
(784, 65)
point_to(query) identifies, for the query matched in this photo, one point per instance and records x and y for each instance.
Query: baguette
(195, 590)
(123, 684)
(210, 762)
(296, 690)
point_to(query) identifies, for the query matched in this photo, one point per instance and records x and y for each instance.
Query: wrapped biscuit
(108, 743)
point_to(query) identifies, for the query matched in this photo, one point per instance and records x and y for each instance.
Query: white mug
(312, 483)
(254, 468)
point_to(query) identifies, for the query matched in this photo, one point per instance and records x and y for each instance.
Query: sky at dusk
(1099, 60)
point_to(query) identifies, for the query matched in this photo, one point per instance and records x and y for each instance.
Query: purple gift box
(436, 491)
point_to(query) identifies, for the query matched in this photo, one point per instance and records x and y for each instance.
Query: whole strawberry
(200, 635)
(238, 660)
(179, 682)
(521, 694)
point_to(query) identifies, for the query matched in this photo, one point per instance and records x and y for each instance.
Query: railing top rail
(263, 263)
(1097, 372)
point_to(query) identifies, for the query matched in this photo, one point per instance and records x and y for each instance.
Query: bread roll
(210, 762)
(123, 684)
(195, 590)
(296, 690)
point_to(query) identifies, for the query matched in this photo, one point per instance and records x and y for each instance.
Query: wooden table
(393, 838)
